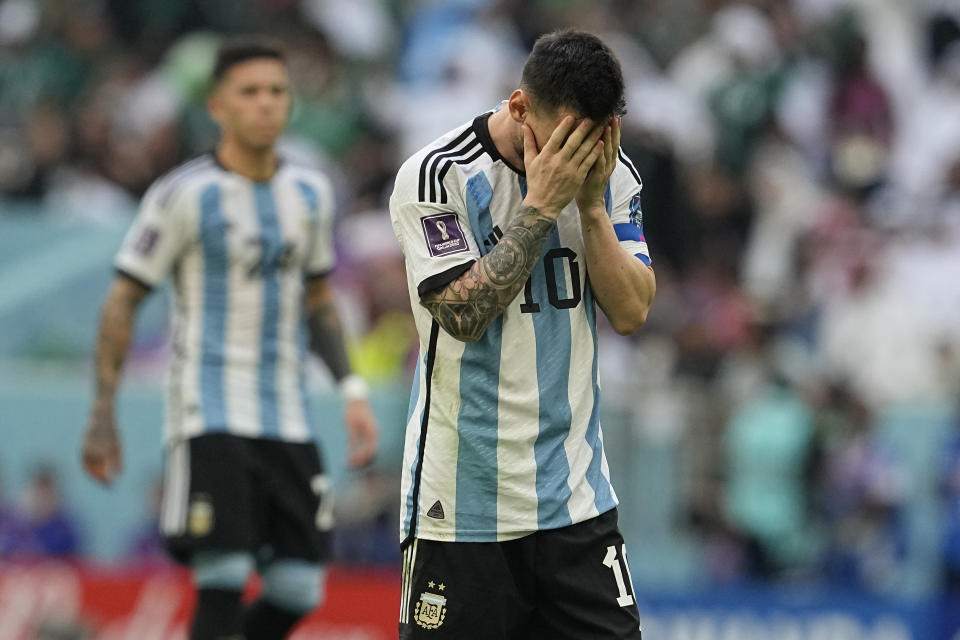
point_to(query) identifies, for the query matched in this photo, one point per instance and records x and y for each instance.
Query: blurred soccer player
(247, 240)
(514, 226)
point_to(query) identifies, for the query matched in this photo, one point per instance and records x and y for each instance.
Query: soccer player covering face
(516, 226)
(246, 238)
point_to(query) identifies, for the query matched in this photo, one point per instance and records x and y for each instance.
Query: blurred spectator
(862, 488)
(14, 534)
(950, 494)
(52, 528)
(861, 120)
(768, 445)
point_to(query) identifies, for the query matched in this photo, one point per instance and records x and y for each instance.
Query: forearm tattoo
(113, 342)
(467, 305)
(326, 339)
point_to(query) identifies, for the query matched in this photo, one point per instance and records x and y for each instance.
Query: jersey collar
(481, 127)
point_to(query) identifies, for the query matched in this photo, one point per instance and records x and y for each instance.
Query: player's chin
(263, 139)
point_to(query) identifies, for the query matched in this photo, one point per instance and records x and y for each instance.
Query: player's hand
(102, 451)
(594, 187)
(556, 172)
(362, 433)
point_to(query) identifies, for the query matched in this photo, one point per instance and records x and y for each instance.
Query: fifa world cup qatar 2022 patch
(443, 234)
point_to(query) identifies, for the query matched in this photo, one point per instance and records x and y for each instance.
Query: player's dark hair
(576, 70)
(237, 51)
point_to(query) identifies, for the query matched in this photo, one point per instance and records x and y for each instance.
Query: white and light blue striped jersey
(238, 252)
(503, 434)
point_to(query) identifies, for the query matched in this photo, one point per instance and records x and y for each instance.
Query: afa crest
(430, 611)
(200, 516)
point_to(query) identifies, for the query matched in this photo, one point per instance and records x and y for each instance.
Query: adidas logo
(436, 511)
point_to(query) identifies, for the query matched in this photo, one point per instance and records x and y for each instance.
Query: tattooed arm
(327, 341)
(326, 333)
(102, 452)
(466, 306)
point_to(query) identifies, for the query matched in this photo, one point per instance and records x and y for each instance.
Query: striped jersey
(503, 434)
(238, 252)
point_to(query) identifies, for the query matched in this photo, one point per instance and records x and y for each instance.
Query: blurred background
(783, 433)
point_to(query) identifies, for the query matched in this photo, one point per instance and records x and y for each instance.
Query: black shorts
(571, 583)
(229, 493)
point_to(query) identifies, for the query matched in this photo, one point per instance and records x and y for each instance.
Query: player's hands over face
(556, 172)
(592, 191)
(102, 451)
(362, 433)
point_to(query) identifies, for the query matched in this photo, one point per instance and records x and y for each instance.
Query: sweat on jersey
(503, 434)
(238, 252)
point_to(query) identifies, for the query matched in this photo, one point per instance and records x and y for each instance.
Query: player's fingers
(98, 470)
(587, 145)
(609, 149)
(556, 141)
(580, 137)
(362, 452)
(591, 159)
(370, 442)
(615, 128)
(530, 152)
(362, 441)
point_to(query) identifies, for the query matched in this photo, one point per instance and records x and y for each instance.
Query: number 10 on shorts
(611, 560)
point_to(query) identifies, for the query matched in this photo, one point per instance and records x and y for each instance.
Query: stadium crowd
(801, 162)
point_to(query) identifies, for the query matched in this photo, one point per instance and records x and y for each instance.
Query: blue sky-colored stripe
(312, 199)
(271, 239)
(479, 195)
(603, 498)
(477, 421)
(216, 272)
(478, 428)
(551, 328)
(552, 333)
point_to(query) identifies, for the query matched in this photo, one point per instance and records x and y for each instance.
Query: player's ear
(214, 107)
(292, 106)
(519, 105)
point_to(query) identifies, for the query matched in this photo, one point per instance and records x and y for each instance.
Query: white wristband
(353, 387)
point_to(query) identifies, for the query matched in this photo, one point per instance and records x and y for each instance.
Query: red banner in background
(38, 601)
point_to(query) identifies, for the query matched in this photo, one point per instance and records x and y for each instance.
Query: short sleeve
(436, 239)
(626, 211)
(320, 257)
(156, 238)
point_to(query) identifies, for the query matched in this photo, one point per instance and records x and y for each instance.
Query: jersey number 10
(530, 305)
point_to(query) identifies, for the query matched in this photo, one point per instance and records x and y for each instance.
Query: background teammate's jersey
(503, 435)
(238, 252)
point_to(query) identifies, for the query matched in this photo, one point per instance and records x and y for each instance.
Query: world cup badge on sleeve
(430, 610)
(443, 234)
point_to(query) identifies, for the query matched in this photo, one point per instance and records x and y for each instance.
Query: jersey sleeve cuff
(120, 271)
(443, 278)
